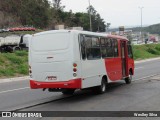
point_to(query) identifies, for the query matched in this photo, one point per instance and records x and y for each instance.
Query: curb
(147, 60)
(14, 79)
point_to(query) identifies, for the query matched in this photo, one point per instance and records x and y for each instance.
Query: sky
(120, 12)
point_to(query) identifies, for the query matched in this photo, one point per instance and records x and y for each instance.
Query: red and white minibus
(66, 60)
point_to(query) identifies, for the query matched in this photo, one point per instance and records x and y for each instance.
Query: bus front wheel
(129, 78)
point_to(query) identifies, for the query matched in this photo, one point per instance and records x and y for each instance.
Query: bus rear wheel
(100, 89)
(68, 91)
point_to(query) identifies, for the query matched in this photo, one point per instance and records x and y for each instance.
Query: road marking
(14, 90)
(144, 78)
(139, 67)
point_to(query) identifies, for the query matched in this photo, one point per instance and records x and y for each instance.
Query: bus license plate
(52, 77)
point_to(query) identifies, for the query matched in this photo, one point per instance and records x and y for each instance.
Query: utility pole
(90, 19)
(141, 23)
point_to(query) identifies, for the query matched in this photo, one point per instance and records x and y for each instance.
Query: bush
(153, 51)
(157, 48)
(146, 51)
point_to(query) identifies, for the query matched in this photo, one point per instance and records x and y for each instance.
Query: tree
(98, 23)
(57, 13)
(108, 25)
(42, 14)
(27, 12)
(57, 5)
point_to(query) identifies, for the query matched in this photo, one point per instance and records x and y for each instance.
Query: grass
(13, 64)
(16, 64)
(146, 51)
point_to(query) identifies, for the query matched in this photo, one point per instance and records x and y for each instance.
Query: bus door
(123, 57)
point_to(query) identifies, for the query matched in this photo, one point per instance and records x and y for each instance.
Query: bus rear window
(51, 42)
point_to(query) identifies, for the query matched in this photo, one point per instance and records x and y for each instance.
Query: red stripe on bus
(75, 83)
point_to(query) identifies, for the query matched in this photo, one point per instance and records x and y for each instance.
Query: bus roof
(73, 31)
(82, 32)
(117, 37)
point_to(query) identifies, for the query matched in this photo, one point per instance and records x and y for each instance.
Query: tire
(9, 49)
(1, 50)
(16, 49)
(100, 89)
(68, 91)
(128, 80)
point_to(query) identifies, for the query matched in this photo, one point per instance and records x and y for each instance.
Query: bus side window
(83, 47)
(92, 47)
(115, 48)
(130, 54)
(88, 42)
(103, 48)
(96, 48)
(109, 46)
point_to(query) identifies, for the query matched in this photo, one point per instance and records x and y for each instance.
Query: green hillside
(152, 29)
(43, 14)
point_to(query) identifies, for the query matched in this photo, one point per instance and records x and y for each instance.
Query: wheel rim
(130, 77)
(103, 87)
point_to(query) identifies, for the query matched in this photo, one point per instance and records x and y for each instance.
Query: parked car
(31, 29)
(22, 29)
(12, 29)
(5, 30)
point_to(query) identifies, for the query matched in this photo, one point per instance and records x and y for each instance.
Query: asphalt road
(145, 69)
(139, 96)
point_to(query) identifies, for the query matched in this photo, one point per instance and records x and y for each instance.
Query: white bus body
(52, 55)
(55, 61)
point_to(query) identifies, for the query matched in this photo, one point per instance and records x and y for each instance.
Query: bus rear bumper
(71, 84)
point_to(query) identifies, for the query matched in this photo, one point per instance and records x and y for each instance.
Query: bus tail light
(74, 65)
(74, 69)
